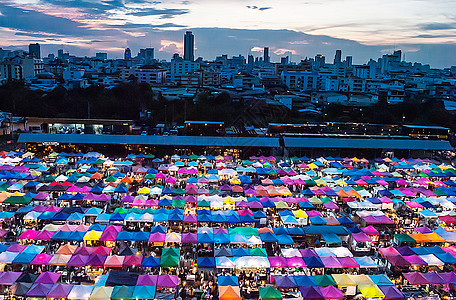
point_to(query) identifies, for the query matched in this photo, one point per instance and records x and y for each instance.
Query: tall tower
(189, 46)
(127, 54)
(34, 50)
(338, 57)
(266, 57)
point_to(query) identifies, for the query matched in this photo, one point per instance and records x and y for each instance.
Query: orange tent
(229, 293)
(96, 176)
(420, 238)
(434, 237)
(67, 249)
(127, 179)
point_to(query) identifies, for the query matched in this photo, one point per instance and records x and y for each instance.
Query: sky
(424, 30)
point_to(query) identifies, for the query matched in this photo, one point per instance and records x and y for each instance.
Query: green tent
(295, 159)
(179, 191)
(98, 162)
(269, 292)
(178, 203)
(193, 156)
(258, 252)
(324, 280)
(150, 156)
(246, 231)
(310, 183)
(122, 292)
(404, 238)
(111, 179)
(204, 203)
(170, 257)
(149, 176)
(50, 178)
(17, 200)
(121, 210)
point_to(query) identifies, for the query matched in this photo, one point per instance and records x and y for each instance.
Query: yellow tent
(315, 200)
(300, 214)
(101, 293)
(313, 166)
(281, 204)
(343, 280)
(362, 280)
(320, 181)
(92, 235)
(144, 190)
(371, 291)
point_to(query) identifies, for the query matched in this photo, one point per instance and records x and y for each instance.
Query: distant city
(300, 83)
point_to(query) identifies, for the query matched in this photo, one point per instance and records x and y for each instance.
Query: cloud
(171, 46)
(438, 26)
(282, 51)
(258, 8)
(163, 13)
(128, 26)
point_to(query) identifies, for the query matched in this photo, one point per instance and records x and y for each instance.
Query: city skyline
(424, 30)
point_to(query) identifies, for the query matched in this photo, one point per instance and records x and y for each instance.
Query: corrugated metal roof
(337, 143)
(149, 140)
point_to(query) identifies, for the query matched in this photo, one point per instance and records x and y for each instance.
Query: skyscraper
(34, 50)
(189, 46)
(127, 54)
(338, 57)
(266, 57)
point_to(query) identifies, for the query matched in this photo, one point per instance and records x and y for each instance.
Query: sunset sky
(424, 30)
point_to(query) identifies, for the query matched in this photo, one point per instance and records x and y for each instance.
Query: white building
(303, 81)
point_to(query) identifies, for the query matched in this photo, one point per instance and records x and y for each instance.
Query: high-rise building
(60, 54)
(127, 54)
(189, 46)
(266, 57)
(349, 61)
(101, 55)
(338, 57)
(250, 61)
(147, 54)
(320, 61)
(34, 50)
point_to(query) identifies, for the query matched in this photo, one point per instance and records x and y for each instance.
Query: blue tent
(268, 237)
(304, 280)
(125, 236)
(221, 238)
(313, 262)
(158, 229)
(150, 262)
(205, 262)
(205, 238)
(117, 217)
(24, 258)
(228, 281)
(77, 236)
(284, 239)
(141, 236)
(238, 252)
(61, 235)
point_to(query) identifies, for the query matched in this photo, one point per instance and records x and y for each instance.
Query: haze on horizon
(424, 29)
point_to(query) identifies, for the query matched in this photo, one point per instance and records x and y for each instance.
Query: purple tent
(48, 278)
(8, 278)
(277, 261)
(434, 278)
(311, 292)
(39, 290)
(150, 280)
(331, 292)
(415, 278)
(18, 248)
(190, 219)
(189, 238)
(415, 260)
(157, 237)
(60, 291)
(447, 277)
(423, 230)
(308, 252)
(78, 260)
(220, 230)
(96, 260)
(284, 281)
(330, 205)
(331, 262)
(391, 292)
(295, 262)
(167, 281)
(348, 262)
(128, 198)
(361, 237)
